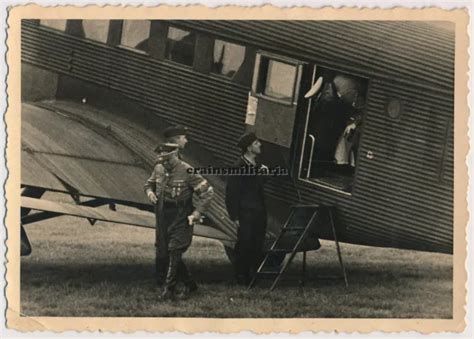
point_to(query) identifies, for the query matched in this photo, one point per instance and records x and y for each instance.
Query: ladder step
(268, 272)
(294, 228)
(280, 250)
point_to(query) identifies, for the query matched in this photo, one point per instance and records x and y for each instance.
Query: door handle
(313, 141)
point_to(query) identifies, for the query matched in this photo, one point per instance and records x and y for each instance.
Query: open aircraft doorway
(333, 128)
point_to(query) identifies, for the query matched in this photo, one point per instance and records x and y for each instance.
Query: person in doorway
(347, 146)
(246, 208)
(171, 187)
(335, 119)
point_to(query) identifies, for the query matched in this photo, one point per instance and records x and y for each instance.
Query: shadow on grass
(221, 272)
(120, 273)
(119, 280)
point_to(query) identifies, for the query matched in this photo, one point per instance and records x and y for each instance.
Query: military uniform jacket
(179, 185)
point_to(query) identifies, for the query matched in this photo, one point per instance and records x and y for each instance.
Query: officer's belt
(177, 203)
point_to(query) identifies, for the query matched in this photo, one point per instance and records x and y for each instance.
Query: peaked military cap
(173, 131)
(246, 140)
(165, 150)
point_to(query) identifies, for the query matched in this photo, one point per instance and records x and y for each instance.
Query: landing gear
(25, 248)
(230, 252)
(31, 192)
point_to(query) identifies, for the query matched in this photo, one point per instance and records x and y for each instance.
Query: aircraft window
(59, 25)
(135, 34)
(280, 80)
(180, 46)
(228, 58)
(97, 30)
(394, 108)
(334, 127)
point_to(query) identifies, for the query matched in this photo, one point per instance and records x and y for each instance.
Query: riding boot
(172, 276)
(161, 269)
(190, 285)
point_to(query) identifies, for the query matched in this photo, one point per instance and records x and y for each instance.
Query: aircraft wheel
(25, 245)
(230, 252)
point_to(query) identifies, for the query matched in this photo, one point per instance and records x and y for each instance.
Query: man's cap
(165, 150)
(246, 140)
(173, 131)
(348, 88)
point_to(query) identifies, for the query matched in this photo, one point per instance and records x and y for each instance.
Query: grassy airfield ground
(108, 270)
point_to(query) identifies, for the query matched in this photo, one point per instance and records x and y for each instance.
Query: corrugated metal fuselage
(402, 193)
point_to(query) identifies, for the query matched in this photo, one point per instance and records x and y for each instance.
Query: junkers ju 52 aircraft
(360, 113)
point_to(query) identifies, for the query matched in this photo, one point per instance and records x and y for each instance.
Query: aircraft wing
(63, 153)
(134, 219)
(82, 155)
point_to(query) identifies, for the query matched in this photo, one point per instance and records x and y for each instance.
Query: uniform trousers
(175, 236)
(250, 237)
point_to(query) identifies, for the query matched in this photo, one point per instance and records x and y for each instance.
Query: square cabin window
(97, 30)
(135, 34)
(228, 58)
(280, 80)
(59, 25)
(180, 46)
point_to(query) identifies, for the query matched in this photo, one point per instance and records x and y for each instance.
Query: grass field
(108, 270)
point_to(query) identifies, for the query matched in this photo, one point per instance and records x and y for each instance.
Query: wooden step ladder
(302, 222)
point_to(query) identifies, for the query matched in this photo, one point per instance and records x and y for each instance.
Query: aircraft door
(273, 101)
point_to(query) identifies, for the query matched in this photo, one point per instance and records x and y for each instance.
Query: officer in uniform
(246, 207)
(175, 135)
(171, 187)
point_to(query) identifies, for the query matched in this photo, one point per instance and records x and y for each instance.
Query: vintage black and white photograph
(238, 168)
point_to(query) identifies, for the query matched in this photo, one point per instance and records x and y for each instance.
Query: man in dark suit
(246, 207)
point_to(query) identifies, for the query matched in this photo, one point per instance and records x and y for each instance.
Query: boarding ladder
(303, 222)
